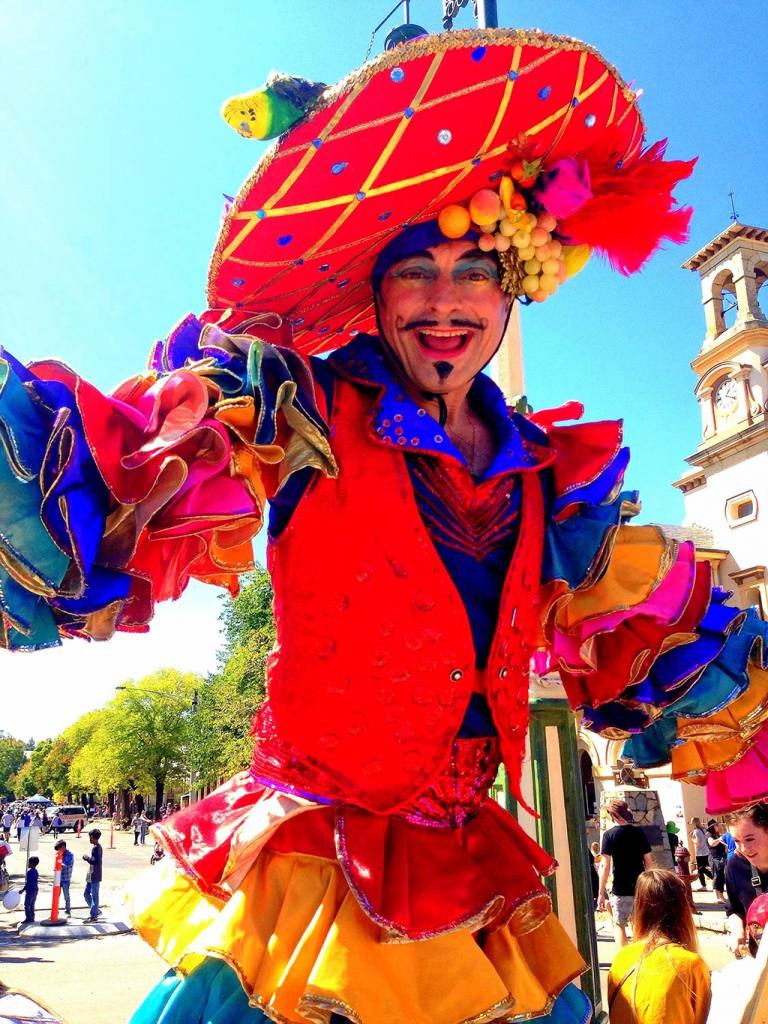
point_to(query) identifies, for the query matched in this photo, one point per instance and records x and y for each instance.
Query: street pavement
(96, 980)
(102, 979)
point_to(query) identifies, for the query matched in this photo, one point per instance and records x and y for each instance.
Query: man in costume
(424, 540)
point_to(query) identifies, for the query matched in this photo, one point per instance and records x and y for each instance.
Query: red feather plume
(632, 209)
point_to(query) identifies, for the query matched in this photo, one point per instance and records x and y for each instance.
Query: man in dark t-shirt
(626, 849)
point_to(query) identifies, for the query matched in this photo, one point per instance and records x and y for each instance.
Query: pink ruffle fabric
(178, 510)
(665, 604)
(742, 783)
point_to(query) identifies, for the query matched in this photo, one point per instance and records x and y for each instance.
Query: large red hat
(426, 125)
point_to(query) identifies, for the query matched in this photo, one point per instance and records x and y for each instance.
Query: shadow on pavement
(24, 960)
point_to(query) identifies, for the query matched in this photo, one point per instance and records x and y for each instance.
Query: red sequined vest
(374, 662)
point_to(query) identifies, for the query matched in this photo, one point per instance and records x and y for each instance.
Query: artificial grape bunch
(534, 261)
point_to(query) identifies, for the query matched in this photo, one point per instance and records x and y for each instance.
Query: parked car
(70, 814)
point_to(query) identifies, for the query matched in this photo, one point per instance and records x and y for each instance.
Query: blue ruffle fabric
(241, 368)
(53, 508)
(212, 994)
(572, 547)
(677, 674)
(724, 679)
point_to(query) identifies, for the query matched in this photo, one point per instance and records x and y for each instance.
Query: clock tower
(726, 489)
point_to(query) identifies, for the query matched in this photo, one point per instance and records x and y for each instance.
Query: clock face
(727, 395)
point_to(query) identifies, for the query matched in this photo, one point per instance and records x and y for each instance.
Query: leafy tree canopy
(221, 743)
(11, 759)
(248, 613)
(140, 739)
(32, 777)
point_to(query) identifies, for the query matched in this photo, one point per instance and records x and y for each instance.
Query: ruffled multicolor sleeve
(109, 503)
(647, 650)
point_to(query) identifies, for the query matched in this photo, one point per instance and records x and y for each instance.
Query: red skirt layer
(414, 880)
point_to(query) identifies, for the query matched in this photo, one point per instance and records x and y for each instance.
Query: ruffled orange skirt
(303, 949)
(324, 909)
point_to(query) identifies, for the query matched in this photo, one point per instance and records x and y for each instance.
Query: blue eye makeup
(482, 267)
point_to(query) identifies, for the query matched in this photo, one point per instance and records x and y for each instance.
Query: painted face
(751, 842)
(442, 312)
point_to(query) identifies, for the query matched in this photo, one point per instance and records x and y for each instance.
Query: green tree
(21, 783)
(220, 742)
(141, 738)
(32, 777)
(63, 750)
(247, 614)
(12, 755)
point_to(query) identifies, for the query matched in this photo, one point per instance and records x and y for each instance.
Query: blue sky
(113, 161)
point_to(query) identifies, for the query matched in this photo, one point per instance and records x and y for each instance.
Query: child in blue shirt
(30, 890)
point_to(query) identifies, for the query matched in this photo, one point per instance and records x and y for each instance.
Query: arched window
(724, 296)
(741, 509)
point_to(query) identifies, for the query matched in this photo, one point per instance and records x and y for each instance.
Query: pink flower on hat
(563, 188)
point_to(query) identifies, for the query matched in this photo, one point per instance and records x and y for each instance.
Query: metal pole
(487, 15)
(406, 11)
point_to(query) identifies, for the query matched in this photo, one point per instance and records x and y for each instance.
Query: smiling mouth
(441, 342)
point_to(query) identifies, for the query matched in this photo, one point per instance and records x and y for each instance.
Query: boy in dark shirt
(626, 849)
(93, 882)
(30, 890)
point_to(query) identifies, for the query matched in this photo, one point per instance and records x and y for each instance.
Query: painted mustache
(420, 324)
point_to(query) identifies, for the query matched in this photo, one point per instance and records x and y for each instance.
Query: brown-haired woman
(661, 977)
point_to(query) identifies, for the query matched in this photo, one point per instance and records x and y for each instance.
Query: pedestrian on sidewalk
(672, 833)
(683, 871)
(730, 842)
(144, 824)
(30, 889)
(7, 822)
(57, 824)
(93, 880)
(595, 860)
(136, 826)
(701, 852)
(67, 863)
(626, 849)
(661, 977)
(719, 854)
(746, 873)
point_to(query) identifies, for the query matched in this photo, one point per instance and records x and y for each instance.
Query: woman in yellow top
(660, 978)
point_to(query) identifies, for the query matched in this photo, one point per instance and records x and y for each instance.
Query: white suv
(70, 814)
